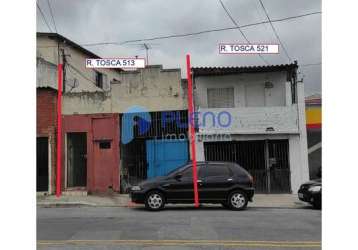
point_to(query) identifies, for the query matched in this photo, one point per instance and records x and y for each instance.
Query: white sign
(248, 48)
(123, 63)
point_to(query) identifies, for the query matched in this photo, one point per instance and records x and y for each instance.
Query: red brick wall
(46, 123)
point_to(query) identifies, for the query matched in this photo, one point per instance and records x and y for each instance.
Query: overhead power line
(233, 20)
(218, 30)
(43, 17)
(274, 30)
(199, 32)
(238, 26)
(53, 19)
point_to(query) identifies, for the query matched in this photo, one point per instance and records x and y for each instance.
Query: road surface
(178, 228)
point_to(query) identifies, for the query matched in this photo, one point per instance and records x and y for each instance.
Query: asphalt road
(178, 228)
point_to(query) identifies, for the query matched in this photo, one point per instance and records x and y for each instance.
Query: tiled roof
(205, 71)
(315, 99)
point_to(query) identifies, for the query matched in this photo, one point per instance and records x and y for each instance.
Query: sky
(93, 21)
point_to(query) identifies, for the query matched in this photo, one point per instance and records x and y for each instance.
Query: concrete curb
(261, 201)
(132, 205)
(65, 204)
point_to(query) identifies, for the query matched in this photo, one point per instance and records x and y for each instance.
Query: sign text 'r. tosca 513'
(124, 63)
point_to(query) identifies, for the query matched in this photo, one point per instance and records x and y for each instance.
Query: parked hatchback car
(311, 192)
(218, 182)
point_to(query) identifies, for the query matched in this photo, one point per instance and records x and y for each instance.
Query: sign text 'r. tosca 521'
(248, 48)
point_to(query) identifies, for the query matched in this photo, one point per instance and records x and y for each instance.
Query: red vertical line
(192, 130)
(59, 129)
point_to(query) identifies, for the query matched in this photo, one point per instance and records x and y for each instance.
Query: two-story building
(90, 150)
(161, 94)
(254, 116)
(94, 102)
(250, 115)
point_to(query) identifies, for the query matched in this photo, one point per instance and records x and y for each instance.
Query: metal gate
(278, 167)
(266, 160)
(135, 166)
(133, 163)
(165, 155)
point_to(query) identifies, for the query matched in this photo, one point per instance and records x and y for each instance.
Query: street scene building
(165, 125)
(93, 103)
(264, 104)
(266, 133)
(314, 134)
(155, 91)
(90, 150)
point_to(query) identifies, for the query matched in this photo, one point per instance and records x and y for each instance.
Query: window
(104, 144)
(99, 79)
(239, 170)
(215, 170)
(220, 97)
(188, 173)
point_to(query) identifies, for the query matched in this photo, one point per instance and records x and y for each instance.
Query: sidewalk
(123, 200)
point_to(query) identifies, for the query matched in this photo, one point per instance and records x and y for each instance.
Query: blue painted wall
(165, 155)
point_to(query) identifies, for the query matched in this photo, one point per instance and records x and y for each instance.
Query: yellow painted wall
(313, 115)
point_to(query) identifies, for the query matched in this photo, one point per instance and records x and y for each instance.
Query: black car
(218, 182)
(311, 192)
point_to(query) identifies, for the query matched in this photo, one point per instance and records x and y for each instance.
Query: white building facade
(254, 116)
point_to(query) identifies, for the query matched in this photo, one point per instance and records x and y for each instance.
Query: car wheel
(237, 200)
(154, 201)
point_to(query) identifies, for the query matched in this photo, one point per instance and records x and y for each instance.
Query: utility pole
(64, 70)
(192, 129)
(59, 130)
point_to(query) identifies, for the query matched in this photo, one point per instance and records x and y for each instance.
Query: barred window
(220, 97)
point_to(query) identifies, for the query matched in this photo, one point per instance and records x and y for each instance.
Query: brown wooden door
(103, 165)
(104, 157)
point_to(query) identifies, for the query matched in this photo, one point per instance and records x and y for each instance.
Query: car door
(181, 189)
(216, 180)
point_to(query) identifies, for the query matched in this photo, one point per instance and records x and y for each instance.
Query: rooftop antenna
(146, 47)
